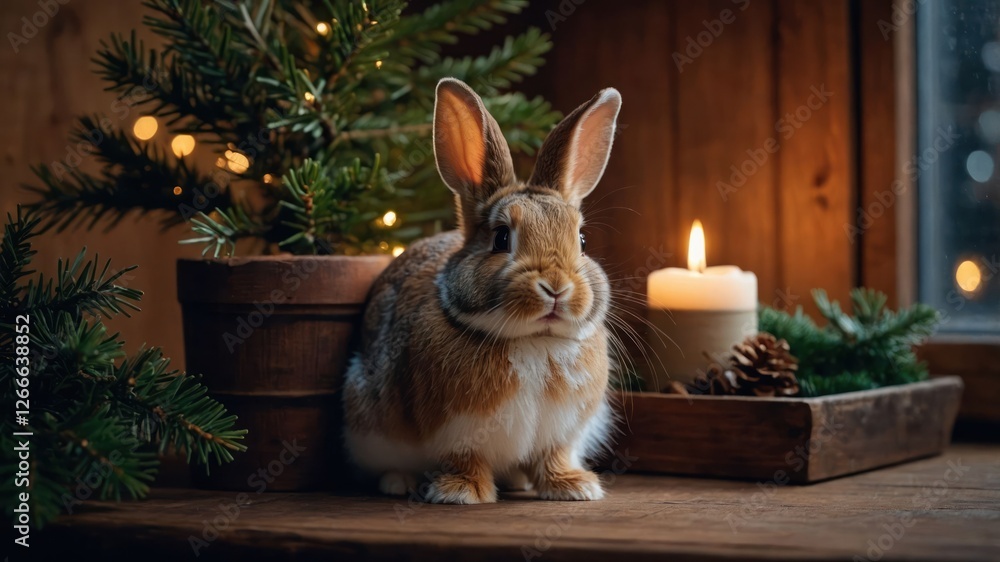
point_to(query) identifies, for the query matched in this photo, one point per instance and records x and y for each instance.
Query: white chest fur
(531, 421)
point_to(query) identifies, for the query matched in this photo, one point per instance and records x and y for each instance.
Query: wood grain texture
(951, 504)
(798, 440)
(859, 431)
(815, 178)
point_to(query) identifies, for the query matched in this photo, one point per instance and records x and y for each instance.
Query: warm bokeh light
(237, 162)
(384, 246)
(178, 190)
(378, 65)
(182, 145)
(389, 218)
(397, 250)
(309, 97)
(268, 178)
(968, 276)
(322, 28)
(145, 127)
(696, 247)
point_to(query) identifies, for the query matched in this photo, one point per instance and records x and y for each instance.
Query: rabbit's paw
(462, 489)
(571, 485)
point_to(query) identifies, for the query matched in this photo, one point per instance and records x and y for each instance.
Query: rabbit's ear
(573, 157)
(471, 153)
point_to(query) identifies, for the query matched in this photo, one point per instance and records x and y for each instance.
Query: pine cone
(715, 380)
(759, 366)
(765, 367)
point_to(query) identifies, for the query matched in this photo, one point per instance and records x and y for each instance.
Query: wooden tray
(788, 440)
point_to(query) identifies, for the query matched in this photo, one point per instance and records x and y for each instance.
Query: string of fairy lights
(146, 127)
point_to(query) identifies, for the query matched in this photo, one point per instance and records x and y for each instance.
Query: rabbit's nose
(547, 289)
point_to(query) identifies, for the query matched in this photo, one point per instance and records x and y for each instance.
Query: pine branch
(220, 231)
(199, 101)
(69, 344)
(420, 36)
(104, 445)
(173, 409)
(78, 288)
(15, 255)
(506, 65)
(873, 348)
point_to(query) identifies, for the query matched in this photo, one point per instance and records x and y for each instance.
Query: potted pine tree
(300, 156)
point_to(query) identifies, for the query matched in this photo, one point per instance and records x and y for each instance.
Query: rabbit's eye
(501, 239)
(583, 242)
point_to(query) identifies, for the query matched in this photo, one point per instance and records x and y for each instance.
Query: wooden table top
(941, 508)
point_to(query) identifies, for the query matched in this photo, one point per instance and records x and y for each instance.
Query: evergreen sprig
(868, 348)
(337, 91)
(98, 416)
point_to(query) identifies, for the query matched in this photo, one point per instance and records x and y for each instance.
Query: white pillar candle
(697, 311)
(721, 287)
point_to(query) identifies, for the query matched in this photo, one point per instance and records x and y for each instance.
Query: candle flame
(696, 248)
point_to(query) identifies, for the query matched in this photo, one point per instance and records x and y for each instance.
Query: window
(958, 162)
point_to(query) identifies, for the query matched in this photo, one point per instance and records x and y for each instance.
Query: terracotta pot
(272, 336)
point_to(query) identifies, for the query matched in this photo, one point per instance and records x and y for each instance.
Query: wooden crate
(788, 440)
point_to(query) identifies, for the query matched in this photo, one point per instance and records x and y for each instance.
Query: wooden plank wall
(693, 113)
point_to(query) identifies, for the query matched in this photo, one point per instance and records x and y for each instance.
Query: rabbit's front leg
(559, 476)
(466, 478)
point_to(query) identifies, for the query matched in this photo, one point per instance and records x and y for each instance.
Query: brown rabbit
(485, 351)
